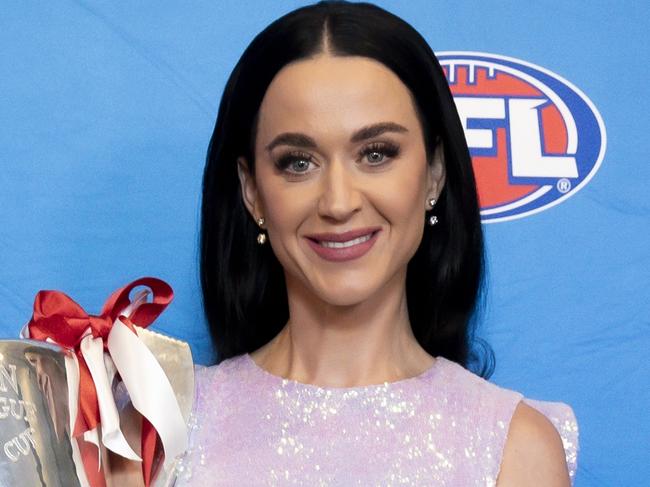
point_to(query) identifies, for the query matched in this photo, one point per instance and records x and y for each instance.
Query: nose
(340, 197)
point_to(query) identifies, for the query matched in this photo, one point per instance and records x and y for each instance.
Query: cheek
(403, 196)
(402, 202)
(286, 208)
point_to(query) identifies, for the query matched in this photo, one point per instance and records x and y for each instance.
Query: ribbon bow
(100, 347)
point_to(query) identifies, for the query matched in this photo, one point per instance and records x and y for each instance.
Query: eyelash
(388, 149)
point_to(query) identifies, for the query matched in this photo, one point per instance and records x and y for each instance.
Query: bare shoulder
(533, 454)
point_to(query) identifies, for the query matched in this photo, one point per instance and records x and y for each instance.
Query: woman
(342, 261)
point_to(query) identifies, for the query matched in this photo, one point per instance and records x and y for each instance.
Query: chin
(345, 295)
(340, 285)
(344, 300)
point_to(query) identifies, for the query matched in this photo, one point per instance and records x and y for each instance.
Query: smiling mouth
(339, 251)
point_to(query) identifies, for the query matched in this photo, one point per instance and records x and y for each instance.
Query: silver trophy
(34, 431)
(35, 437)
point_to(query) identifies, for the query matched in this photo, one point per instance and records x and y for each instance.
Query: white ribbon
(79, 465)
(92, 350)
(72, 374)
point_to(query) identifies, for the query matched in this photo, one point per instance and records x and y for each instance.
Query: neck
(345, 346)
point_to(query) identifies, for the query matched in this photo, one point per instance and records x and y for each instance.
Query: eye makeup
(388, 151)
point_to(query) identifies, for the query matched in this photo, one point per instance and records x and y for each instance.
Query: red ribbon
(59, 318)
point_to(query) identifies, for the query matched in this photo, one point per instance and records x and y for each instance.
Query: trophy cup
(34, 416)
(94, 401)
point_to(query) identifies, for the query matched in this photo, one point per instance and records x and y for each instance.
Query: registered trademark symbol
(563, 185)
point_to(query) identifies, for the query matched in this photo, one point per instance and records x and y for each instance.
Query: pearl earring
(261, 237)
(433, 219)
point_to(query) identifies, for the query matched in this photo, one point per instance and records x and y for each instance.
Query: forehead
(331, 95)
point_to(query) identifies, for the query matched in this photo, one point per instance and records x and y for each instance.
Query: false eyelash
(387, 148)
(284, 161)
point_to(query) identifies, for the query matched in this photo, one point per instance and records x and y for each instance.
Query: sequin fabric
(445, 427)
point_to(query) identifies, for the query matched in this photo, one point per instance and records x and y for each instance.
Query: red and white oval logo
(535, 139)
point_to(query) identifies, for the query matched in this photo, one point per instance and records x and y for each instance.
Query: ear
(248, 188)
(436, 172)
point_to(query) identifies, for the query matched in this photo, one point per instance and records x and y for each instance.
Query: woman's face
(339, 148)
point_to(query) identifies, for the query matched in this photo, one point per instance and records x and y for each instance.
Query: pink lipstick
(339, 247)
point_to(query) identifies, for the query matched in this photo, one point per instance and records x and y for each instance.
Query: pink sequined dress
(445, 427)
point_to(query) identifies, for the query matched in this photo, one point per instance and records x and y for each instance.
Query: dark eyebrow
(302, 140)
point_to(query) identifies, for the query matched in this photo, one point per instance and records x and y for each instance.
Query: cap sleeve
(564, 420)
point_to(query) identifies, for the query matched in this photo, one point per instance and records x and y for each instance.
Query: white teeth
(349, 243)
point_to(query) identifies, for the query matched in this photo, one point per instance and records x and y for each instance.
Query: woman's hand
(119, 471)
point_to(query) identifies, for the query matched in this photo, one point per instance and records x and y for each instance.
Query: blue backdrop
(106, 112)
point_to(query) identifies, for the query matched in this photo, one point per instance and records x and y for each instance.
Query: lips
(343, 246)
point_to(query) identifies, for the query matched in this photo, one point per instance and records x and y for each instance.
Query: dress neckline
(402, 382)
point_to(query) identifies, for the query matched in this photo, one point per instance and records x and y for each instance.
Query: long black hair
(244, 291)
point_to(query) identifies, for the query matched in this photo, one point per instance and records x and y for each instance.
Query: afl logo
(535, 139)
